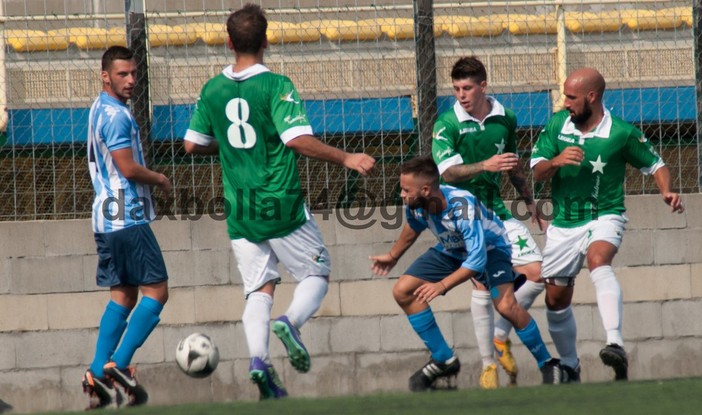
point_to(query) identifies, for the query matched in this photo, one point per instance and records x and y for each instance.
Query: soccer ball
(197, 355)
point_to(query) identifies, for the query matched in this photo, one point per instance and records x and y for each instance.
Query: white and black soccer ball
(197, 355)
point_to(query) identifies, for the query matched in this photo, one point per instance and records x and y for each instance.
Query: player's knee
(129, 303)
(596, 261)
(401, 295)
(508, 308)
(163, 297)
(597, 257)
(557, 302)
(559, 292)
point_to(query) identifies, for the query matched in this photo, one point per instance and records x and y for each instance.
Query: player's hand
(570, 156)
(361, 162)
(535, 216)
(673, 200)
(501, 162)
(382, 264)
(164, 184)
(429, 291)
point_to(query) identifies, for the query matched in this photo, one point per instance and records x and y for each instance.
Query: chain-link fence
(356, 64)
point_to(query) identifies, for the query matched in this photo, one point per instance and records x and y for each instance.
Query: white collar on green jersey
(246, 73)
(602, 130)
(462, 115)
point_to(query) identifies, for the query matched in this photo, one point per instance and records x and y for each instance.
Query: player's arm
(309, 146)
(289, 117)
(546, 169)
(518, 179)
(427, 292)
(210, 149)
(474, 238)
(640, 153)
(458, 277)
(382, 264)
(496, 163)
(450, 161)
(199, 137)
(546, 158)
(131, 170)
(664, 183)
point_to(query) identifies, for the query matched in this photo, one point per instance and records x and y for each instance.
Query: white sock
(256, 319)
(308, 296)
(483, 323)
(561, 325)
(609, 302)
(525, 295)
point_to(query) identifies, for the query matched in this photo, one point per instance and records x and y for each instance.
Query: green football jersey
(595, 187)
(461, 139)
(252, 115)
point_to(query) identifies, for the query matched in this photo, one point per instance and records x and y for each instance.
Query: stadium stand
(397, 28)
(210, 33)
(586, 22)
(284, 32)
(463, 26)
(649, 20)
(50, 87)
(340, 30)
(526, 24)
(85, 38)
(34, 41)
(165, 35)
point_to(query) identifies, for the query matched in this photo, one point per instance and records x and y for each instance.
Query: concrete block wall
(359, 340)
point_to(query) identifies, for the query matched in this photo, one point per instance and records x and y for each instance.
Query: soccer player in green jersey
(584, 151)
(255, 121)
(473, 143)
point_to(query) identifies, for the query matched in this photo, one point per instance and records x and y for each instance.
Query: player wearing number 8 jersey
(255, 121)
(256, 113)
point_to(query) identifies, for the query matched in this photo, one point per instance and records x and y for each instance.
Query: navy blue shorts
(129, 257)
(434, 266)
(498, 270)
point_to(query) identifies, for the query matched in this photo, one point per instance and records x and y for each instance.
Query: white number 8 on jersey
(234, 108)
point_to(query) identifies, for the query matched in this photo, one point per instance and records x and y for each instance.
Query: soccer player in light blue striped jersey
(129, 257)
(472, 243)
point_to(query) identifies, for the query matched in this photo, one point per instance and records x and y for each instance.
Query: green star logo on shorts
(521, 243)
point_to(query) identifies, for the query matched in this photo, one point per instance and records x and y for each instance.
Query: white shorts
(566, 248)
(302, 253)
(524, 248)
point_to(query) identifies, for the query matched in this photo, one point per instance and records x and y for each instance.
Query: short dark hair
(115, 53)
(247, 29)
(423, 166)
(469, 67)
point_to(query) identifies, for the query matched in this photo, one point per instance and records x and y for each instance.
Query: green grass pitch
(671, 396)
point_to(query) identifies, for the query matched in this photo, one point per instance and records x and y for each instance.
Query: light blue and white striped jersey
(466, 229)
(119, 203)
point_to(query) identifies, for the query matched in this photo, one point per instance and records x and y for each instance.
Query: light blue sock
(112, 325)
(143, 321)
(531, 338)
(427, 329)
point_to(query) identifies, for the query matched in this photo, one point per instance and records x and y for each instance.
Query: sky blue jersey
(465, 230)
(119, 203)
